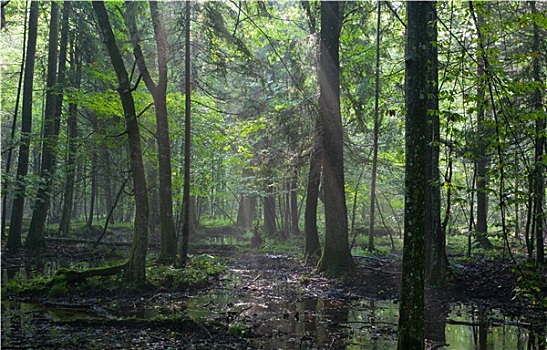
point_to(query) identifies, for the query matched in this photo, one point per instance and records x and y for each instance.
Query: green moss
(197, 273)
(58, 290)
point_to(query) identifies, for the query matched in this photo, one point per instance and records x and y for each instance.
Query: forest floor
(260, 301)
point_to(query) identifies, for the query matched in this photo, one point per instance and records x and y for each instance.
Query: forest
(273, 174)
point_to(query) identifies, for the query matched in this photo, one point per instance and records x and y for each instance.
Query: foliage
(196, 274)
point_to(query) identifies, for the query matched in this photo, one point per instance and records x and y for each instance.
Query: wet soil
(263, 301)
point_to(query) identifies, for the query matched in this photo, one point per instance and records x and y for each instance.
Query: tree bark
(540, 142)
(159, 94)
(482, 158)
(336, 255)
(35, 238)
(375, 133)
(313, 247)
(435, 239)
(72, 135)
(11, 144)
(136, 267)
(187, 217)
(270, 227)
(16, 220)
(411, 309)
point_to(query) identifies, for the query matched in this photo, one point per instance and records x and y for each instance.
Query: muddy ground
(262, 301)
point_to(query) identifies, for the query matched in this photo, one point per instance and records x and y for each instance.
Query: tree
(72, 134)
(336, 255)
(159, 94)
(481, 163)
(540, 143)
(16, 220)
(435, 237)
(417, 86)
(35, 238)
(375, 132)
(135, 270)
(186, 202)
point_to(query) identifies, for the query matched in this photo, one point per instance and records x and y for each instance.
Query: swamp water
(288, 315)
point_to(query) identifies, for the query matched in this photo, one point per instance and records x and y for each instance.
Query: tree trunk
(11, 144)
(35, 239)
(269, 210)
(482, 158)
(159, 94)
(313, 247)
(187, 217)
(375, 133)
(539, 179)
(16, 220)
(336, 255)
(293, 198)
(72, 135)
(136, 267)
(435, 239)
(418, 46)
(93, 195)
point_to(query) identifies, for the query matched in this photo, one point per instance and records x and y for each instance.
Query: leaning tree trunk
(336, 255)
(136, 267)
(16, 220)
(35, 239)
(411, 309)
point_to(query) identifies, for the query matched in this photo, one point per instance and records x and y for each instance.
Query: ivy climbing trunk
(411, 309)
(336, 255)
(136, 267)
(16, 219)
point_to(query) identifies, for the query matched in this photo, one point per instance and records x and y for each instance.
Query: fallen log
(72, 276)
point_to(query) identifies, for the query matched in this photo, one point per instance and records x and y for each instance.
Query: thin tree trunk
(482, 158)
(293, 198)
(313, 247)
(159, 94)
(435, 239)
(136, 267)
(539, 180)
(35, 239)
(72, 135)
(13, 127)
(16, 220)
(187, 217)
(375, 133)
(269, 210)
